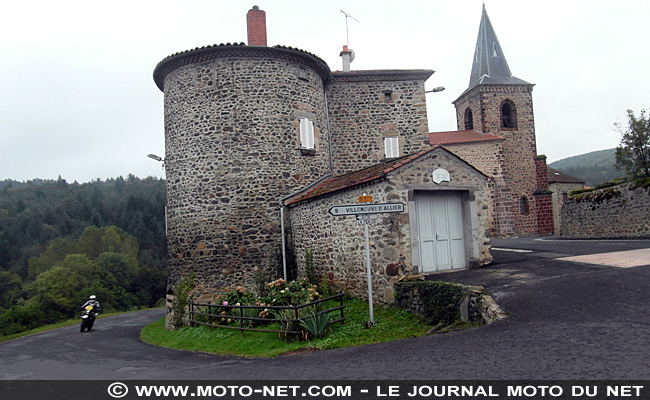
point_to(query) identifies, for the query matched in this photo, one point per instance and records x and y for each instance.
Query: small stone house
(561, 184)
(444, 225)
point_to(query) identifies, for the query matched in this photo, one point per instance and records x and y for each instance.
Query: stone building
(444, 225)
(561, 184)
(252, 131)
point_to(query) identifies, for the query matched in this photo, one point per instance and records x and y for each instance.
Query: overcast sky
(77, 98)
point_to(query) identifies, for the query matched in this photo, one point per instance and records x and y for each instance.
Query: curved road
(568, 321)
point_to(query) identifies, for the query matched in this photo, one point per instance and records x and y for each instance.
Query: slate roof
(555, 176)
(489, 66)
(382, 74)
(456, 137)
(370, 174)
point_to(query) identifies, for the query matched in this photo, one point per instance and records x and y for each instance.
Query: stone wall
(446, 303)
(366, 106)
(488, 157)
(338, 243)
(621, 211)
(561, 192)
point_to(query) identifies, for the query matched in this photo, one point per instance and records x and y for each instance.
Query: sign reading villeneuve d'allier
(367, 209)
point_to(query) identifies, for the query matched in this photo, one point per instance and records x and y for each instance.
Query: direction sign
(367, 209)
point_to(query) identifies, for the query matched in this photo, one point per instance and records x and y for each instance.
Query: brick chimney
(256, 21)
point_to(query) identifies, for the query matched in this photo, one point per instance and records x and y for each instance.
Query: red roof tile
(355, 178)
(455, 137)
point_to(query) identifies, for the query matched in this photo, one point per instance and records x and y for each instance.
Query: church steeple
(489, 64)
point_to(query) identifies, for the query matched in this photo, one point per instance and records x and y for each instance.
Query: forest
(594, 167)
(61, 242)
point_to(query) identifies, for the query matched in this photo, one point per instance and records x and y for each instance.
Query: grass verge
(391, 324)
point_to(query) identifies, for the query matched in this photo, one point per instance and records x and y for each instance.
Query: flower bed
(296, 307)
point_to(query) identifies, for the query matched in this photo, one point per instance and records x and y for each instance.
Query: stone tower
(245, 126)
(498, 103)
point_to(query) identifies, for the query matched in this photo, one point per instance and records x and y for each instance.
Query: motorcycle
(88, 318)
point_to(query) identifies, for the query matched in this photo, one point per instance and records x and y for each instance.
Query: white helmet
(92, 297)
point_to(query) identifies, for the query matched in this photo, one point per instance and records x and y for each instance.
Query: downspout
(282, 207)
(316, 182)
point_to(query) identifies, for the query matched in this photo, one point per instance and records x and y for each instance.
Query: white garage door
(440, 231)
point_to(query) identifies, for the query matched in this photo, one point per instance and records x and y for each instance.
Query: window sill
(308, 152)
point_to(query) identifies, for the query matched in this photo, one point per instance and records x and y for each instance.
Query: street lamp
(435, 89)
(157, 158)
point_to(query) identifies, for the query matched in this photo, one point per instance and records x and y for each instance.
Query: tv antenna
(347, 36)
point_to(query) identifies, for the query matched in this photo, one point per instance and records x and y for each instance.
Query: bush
(279, 293)
(293, 293)
(20, 318)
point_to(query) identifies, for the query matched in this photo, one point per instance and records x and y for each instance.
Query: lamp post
(162, 160)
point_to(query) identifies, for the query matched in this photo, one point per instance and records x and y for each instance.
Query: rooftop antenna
(347, 36)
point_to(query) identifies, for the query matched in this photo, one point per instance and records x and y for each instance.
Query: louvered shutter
(391, 147)
(306, 133)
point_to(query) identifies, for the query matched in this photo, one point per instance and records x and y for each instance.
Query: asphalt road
(567, 321)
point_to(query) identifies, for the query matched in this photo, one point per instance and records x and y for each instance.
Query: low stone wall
(621, 211)
(446, 303)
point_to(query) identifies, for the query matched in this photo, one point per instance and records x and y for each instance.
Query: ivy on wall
(437, 302)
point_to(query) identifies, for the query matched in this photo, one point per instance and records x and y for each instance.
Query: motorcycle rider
(92, 301)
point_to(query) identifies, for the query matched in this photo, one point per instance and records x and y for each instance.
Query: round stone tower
(245, 126)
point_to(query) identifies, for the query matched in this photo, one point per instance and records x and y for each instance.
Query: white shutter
(306, 133)
(391, 146)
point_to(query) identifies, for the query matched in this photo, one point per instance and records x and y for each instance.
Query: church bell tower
(499, 103)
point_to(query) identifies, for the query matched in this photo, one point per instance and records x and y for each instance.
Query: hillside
(34, 213)
(594, 168)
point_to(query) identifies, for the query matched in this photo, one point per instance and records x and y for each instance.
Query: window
(302, 73)
(391, 146)
(388, 95)
(469, 119)
(524, 205)
(306, 134)
(508, 115)
(495, 52)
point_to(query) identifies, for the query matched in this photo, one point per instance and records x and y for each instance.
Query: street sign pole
(369, 272)
(364, 213)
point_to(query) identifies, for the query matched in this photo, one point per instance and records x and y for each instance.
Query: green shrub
(282, 293)
(181, 299)
(315, 324)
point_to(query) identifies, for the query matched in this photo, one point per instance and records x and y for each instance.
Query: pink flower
(225, 303)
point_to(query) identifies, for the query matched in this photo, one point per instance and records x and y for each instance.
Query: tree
(633, 153)
(60, 289)
(10, 288)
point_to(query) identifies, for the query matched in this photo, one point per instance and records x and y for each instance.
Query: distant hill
(593, 168)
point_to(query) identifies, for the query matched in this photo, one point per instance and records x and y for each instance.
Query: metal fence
(213, 315)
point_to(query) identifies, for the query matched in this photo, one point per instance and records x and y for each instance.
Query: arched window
(508, 115)
(524, 205)
(469, 119)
